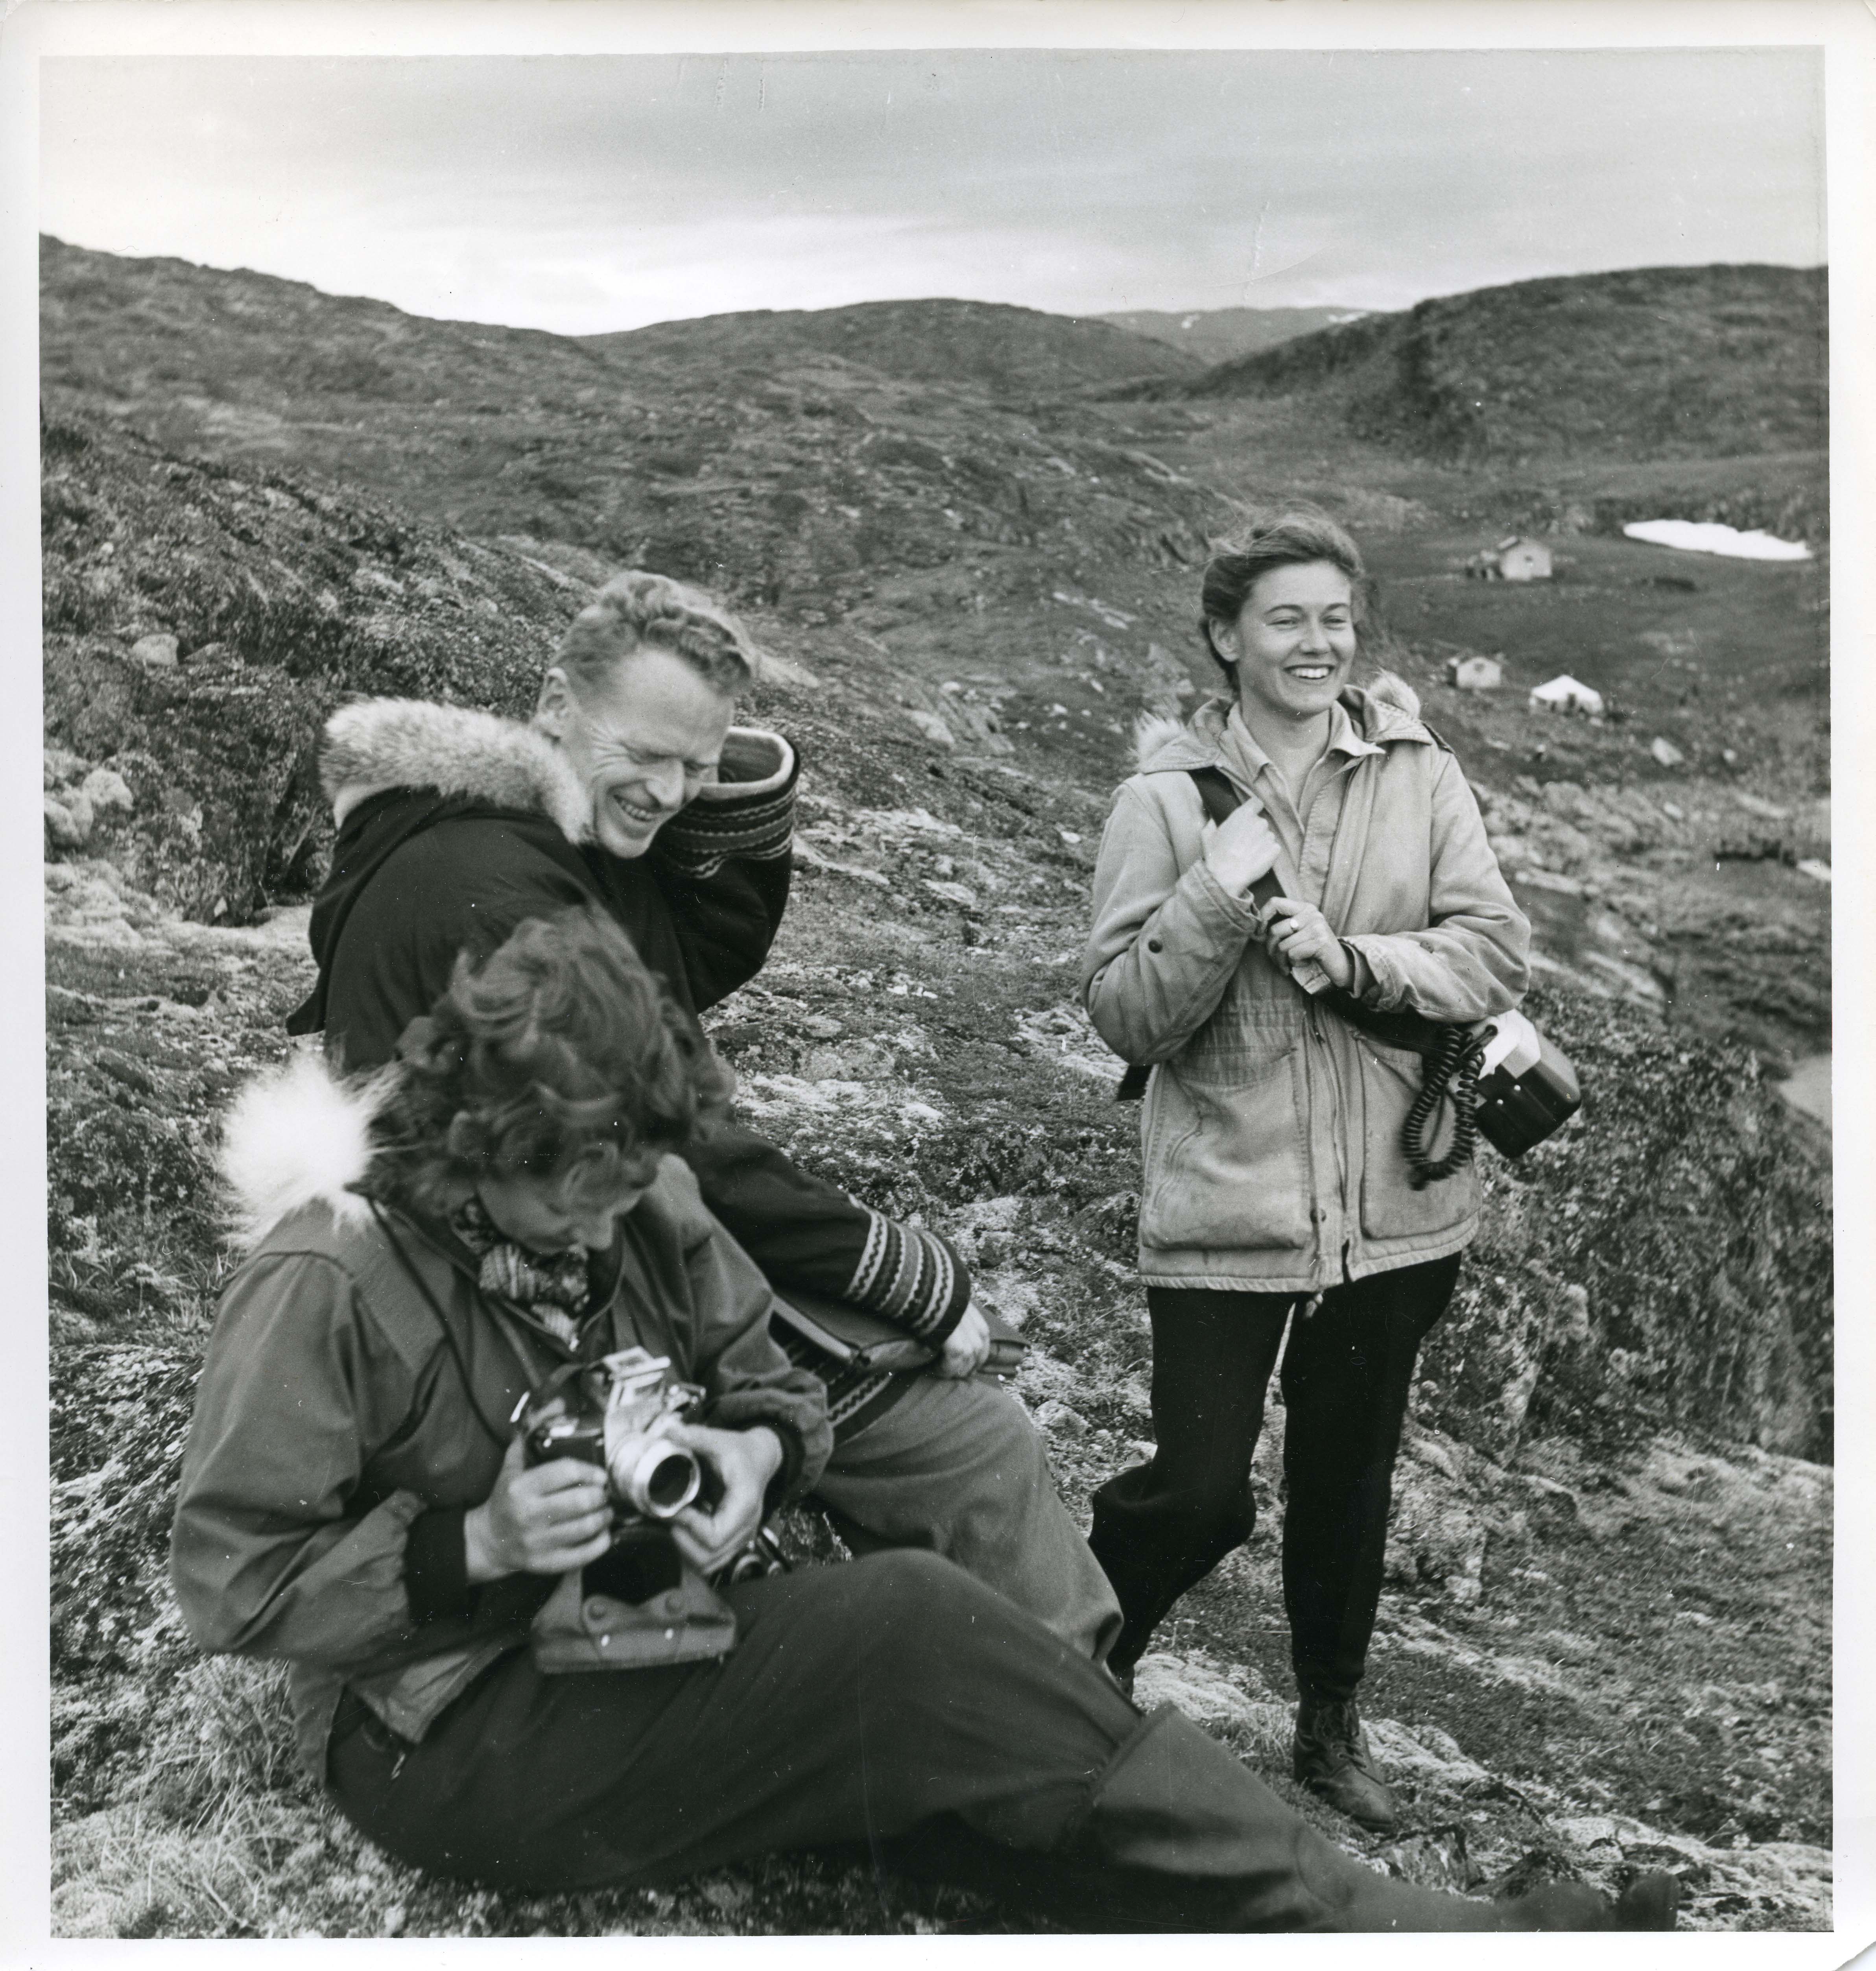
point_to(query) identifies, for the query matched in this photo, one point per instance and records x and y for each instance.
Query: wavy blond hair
(638, 608)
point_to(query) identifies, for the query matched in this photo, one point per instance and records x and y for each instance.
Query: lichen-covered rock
(1688, 1213)
(68, 820)
(108, 792)
(255, 578)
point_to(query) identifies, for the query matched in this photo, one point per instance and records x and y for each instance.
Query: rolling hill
(1659, 363)
(1009, 351)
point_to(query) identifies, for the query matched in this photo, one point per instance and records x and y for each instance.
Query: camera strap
(1410, 1031)
(500, 1437)
(1524, 1111)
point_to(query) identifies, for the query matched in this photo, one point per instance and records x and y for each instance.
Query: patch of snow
(1713, 537)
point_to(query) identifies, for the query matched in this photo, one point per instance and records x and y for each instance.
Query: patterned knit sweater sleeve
(724, 864)
(804, 1232)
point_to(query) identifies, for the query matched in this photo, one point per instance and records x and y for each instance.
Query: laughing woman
(429, 1246)
(1275, 1189)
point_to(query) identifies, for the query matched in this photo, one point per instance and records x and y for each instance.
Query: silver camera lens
(654, 1476)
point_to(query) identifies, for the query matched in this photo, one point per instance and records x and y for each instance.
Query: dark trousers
(1347, 1372)
(895, 1702)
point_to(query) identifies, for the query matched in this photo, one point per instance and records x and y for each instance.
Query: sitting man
(631, 789)
(431, 1249)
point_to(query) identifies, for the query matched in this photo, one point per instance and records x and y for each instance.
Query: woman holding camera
(1275, 1190)
(428, 1246)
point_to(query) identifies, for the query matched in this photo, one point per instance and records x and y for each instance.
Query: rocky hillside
(786, 475)
(200, 625)
(1605, 1643)
(1657, 362)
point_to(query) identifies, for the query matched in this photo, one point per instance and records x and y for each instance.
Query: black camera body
(1527, 1087)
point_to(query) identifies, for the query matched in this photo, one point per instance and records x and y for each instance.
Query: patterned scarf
(552, 1289)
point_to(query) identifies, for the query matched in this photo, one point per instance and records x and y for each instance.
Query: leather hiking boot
(1330, 1755)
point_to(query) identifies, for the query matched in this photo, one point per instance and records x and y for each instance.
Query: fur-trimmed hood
(379, 743)
(297, 1137)
(405, 742)
(1385, 709)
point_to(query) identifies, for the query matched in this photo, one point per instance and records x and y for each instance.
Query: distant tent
(1567, 694)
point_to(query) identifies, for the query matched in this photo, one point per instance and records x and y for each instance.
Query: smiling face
(550, 1214)
(644, 743)
(1293, 645)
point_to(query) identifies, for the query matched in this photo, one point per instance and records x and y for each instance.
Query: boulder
(108, 792)
(1666, 752)
(68, 820)
(933, 727)
(60, 767)
(158, 649)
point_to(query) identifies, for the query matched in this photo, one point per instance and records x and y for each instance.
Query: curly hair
(637, 608)
(560, 1056)
(1298, 534)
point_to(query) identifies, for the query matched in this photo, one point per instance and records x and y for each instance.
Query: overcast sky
(586, 194)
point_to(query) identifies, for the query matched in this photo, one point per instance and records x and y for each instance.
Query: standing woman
(1275, 1191)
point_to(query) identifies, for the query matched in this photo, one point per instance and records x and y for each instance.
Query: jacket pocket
(1225, 1161)
(1391, 1208)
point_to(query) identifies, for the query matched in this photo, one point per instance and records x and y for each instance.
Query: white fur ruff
(404, 742)
(1152, 730)
(297, 1137)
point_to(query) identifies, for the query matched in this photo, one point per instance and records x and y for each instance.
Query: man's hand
(539, 1519)
(1245, 848)
(1296, 931)
(966, 1346)
(745, 1461)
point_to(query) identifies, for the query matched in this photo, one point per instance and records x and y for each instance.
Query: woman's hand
(966, 1346)
(1295, 931)
(745, 1461)
(1245, 848)
(542, 1519)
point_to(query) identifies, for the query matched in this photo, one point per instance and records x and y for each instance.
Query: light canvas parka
(1270, 1129)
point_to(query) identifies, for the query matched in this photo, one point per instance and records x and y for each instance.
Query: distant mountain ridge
(1222, 335)
(1651, 363)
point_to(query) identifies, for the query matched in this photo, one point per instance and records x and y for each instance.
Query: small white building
(1517, 558)
(1474, 673)
(1567, 694)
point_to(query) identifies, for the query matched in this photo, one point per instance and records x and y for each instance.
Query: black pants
(895, 1702)
(1158, 1528)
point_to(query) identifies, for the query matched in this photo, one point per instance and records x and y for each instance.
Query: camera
(640, 1603)
(617, 1414)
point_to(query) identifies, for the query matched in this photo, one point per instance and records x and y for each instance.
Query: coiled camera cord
(1451, 1069)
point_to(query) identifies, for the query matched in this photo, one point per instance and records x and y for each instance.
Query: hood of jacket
(1386, 709)
(395, 768)
(381, 743)
(297, 1137)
